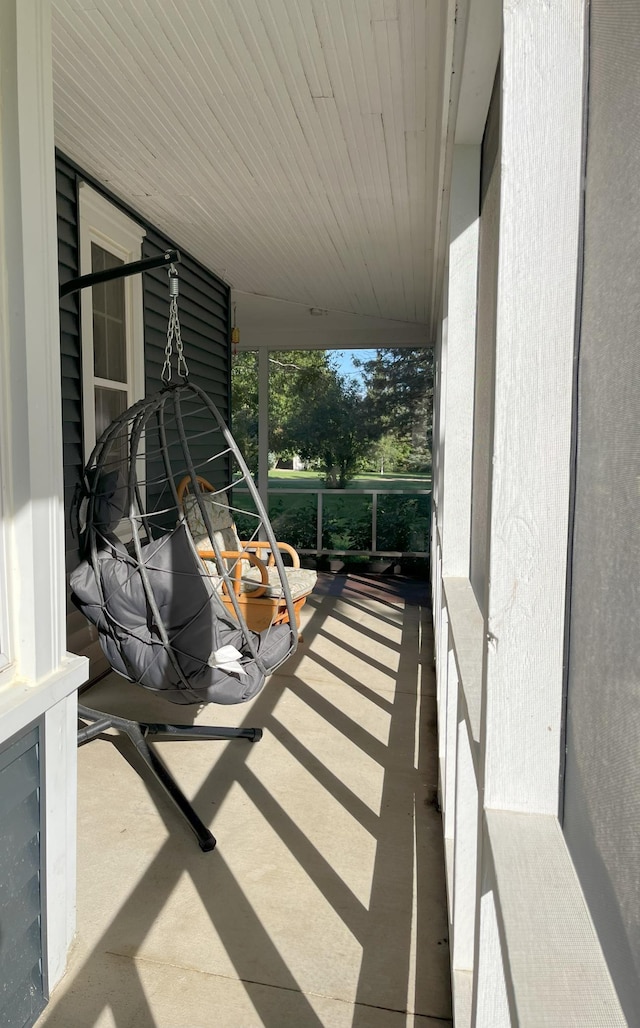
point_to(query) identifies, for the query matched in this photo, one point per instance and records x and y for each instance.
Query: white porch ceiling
(295, 147)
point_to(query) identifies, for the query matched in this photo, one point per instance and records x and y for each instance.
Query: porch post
(41, 679)
(525, 874)
(263, 424)
(31, 374)
(540, 203)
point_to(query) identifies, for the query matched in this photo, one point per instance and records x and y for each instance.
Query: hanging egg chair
(157, 604)
(160, 580)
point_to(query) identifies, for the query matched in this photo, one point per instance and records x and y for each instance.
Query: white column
(457, 398)
(42, 678)
(263, 424)
(540, 156)
(540, 204)
(30, 395)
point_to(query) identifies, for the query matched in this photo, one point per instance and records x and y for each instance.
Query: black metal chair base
(96, 722)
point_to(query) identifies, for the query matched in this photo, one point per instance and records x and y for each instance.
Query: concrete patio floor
(323, 905)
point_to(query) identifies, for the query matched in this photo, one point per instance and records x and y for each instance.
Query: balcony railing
(354, 522)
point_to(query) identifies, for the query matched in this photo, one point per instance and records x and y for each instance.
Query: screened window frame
(6, 659)
(101, 222)
(7, 656)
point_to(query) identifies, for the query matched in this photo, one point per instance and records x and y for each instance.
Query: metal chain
(173, 332)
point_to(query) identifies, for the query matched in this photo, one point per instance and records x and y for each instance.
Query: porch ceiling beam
(265, 321)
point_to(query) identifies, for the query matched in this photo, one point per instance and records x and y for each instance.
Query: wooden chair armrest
(284, 547)
(238, 556)
(185, 487)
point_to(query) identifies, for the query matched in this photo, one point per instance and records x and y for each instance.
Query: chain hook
(173, 332)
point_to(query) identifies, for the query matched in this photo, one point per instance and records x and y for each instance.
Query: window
(112, 319)
(5, 648)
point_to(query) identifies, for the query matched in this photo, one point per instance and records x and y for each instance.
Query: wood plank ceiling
(295, 147)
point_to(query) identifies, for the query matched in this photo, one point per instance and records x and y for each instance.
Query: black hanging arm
(134, 268)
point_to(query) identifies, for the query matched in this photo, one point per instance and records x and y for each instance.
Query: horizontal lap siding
(204, 305)
(82, 637)
(71, 360)
(21, 994)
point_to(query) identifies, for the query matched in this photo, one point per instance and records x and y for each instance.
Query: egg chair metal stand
(141, 733)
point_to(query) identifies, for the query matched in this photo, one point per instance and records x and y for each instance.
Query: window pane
(99, 344)
(115, 299)
(116, 351)
(98, 296)
(109, 328)
(109, 403)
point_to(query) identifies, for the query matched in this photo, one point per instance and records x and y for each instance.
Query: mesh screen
(602, 791)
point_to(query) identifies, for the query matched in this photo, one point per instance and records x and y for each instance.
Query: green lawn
(311, 480)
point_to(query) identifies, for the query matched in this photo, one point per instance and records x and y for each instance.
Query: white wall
(524, 951)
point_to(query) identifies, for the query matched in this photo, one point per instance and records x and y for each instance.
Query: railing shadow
(404, 957)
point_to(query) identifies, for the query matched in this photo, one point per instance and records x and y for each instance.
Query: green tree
(295, 378)
(399, 399)
(390, 452)
(244, 405)
(333, 431)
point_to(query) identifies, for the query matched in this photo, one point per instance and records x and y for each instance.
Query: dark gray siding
(68, 268)
(204, 316)
(81, 636)
(21, 984)
(602, 783)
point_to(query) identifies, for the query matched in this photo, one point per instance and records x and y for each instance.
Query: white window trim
(103, 223)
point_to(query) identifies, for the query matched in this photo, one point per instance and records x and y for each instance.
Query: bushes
(294, 520)
(402, 521)
(346, 523)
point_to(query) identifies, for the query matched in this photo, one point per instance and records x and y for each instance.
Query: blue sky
(344, 362)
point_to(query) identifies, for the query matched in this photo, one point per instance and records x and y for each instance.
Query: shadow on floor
(328, 948)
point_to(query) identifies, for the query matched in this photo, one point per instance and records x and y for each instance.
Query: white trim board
(556, 972)
(466, 627)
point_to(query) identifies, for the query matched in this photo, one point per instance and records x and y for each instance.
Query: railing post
(319, 523)
(263, 425)
(374, 522)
